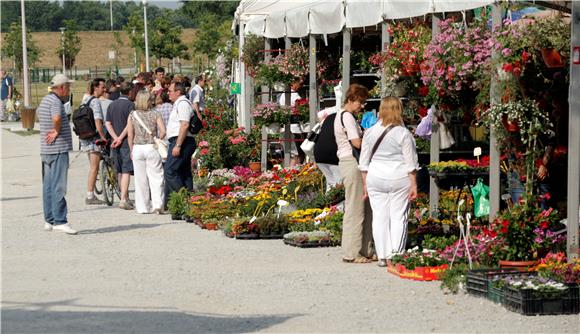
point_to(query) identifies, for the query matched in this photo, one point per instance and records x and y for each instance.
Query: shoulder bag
(159, 145)
(378, 142)
(355, 151)
(308, 144)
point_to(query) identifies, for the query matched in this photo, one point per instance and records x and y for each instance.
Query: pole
(574, 141)
(435, 140)
(111, 13)
(345, 61)
(386, 41)
(63, 50)
(146, 36)
(134, 51)
(494, 154)
(242, 95)
(312, 91)
(24, 57)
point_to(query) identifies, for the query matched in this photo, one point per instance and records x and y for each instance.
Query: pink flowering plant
(456, 62)
(270, 113)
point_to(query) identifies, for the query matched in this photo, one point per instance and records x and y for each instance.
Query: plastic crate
(477, 279)
(494, 294)
(523, 302)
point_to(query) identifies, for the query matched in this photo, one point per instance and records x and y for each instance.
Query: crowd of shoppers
(377, 169)
(127, 116)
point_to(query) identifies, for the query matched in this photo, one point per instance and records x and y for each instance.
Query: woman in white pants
(148, 169)
(389, 163)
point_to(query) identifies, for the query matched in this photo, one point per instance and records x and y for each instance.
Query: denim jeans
(178, 169)
(54, 182)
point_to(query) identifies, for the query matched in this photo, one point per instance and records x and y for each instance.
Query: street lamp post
(24, 58)
(63, 49)
(146, 38)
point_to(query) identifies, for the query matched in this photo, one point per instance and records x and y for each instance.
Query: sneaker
(93, 201)
(382, 263)
(64, 228)
(47, 227)
(159, 212)
(125, 205)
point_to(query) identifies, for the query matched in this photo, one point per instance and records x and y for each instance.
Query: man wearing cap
(55, 143)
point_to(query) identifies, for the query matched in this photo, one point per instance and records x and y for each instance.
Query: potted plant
(177, 204)
(251, 55)
(525, 232)
(271, 113)
(552, 35)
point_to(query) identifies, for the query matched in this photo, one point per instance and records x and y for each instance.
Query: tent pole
(345, 61)
(494, 154)
(385, 42)
(435, 140)
(574, 141)
(265, 99)
(312, 91)
(287, 97)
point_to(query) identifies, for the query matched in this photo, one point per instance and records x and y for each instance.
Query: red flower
(423, 90)
(507, 67)
(544, 224)
(517, 71)
(525, 56)
(504, 226)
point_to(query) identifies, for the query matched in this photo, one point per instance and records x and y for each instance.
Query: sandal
(357, 260)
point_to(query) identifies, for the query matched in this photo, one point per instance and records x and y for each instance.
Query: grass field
(94, 51)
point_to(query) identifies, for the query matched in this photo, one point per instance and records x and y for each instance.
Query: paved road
(130, 273)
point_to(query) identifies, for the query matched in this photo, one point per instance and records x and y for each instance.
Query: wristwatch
(177, 145)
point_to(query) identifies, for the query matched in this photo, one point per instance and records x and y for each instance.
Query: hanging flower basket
(552, 58)
(510, 126)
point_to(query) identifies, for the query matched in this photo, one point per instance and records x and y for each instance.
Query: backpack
(84, 121)
(325, 148)
(195, 124)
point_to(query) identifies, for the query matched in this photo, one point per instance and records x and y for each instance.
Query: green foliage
(438, 243)
(212, 36)
(177, 203)
(453, 278)
(12, 46)
(134, 29)
(272, 224)
(197, 11)
(166, 39)
(72, 43)
(251, 56)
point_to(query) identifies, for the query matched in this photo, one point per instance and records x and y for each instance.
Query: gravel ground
(130, 273)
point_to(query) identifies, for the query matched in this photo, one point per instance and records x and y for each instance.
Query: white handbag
(308, 144)
(160, 145)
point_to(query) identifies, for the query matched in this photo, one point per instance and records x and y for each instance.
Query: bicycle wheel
(105, 172)
(99, 182)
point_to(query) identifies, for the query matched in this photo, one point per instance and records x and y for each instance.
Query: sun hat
(59, 80)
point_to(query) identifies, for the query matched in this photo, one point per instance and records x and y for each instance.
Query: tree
(72, 43)
(135, 30)
(166, 40)
(197, 11)
(212, 36)
(12, 46)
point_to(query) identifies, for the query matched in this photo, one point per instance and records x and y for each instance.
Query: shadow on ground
(121, 228)
(16, 320)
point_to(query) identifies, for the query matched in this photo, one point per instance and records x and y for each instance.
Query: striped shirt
(51, 106)
(164, 110)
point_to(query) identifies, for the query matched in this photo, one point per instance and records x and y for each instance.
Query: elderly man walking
(181, 142)
(55, 143)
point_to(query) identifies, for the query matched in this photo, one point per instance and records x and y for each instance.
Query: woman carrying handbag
(146, 150)
(389, 164)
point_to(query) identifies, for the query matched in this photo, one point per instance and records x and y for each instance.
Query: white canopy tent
(299, 18)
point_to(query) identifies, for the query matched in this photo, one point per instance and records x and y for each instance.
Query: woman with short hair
(356, 224)
(389, 164)
(148, 169)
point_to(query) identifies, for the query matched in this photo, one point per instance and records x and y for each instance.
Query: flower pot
(519, 265)
(552, 58)
(255, 166)
(27, 116)
(211, 226)
(274, 128)
(176, 217)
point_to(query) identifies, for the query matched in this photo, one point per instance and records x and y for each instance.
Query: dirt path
(130, 273)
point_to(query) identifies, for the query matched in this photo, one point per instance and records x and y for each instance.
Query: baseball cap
(59, 80)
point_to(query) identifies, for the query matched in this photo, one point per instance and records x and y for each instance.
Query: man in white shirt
(197, 95)
(181, 142)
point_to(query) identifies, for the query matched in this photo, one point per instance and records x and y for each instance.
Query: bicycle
(107, 174)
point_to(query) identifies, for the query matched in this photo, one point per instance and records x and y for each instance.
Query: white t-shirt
(294, 128)
(396, 155)
(181, 112)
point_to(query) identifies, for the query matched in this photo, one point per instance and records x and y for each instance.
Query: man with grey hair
(55, 143)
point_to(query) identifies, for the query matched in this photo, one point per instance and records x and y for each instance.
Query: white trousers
(149, 183)
(390, 203)
(331, 174)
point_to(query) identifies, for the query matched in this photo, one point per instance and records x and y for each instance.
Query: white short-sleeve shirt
(181, 112)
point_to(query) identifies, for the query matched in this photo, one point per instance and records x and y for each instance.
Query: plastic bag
(424, 128)
(369, 119)
(480, 194)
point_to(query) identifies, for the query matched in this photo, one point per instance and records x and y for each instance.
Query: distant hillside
(94, 52)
